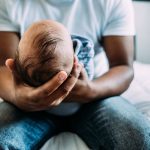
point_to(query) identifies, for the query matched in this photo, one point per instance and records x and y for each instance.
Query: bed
(138, 94)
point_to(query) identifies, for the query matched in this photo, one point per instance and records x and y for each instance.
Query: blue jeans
(110, 124)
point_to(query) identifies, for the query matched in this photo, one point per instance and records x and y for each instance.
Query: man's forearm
(114, 82)
(6, 82)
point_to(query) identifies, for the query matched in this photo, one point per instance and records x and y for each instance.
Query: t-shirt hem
(119, 34)
(6, 28)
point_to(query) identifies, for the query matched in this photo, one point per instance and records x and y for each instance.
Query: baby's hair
(45, 45)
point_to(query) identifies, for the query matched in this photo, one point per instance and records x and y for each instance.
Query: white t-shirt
(92, 19)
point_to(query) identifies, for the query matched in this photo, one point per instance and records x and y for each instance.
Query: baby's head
(45, 49)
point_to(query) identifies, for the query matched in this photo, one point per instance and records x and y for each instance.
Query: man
(100, 117)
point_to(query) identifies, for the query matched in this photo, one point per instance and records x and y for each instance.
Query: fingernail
(58, 102)
(76, 59)
(62, 77)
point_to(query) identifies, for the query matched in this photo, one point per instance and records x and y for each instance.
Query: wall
(142, 21)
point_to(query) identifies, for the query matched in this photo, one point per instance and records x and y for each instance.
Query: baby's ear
(10, 64)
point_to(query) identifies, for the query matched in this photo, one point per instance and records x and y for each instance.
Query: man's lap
(99, 124)
(112, 124)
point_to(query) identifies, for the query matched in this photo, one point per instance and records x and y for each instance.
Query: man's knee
(119, 123)
(129, 128)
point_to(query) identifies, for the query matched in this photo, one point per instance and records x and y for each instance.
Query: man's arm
(119, 50)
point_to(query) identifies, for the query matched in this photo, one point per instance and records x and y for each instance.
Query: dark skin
(119, 50)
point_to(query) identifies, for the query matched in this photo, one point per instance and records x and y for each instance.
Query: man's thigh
(112, 124)
(23, 131)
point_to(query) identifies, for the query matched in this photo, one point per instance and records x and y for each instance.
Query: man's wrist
(6, 87)
(92, 91)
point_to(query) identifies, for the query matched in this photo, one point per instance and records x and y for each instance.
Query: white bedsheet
(139, 90)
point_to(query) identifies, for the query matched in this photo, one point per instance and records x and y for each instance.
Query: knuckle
(74, 75)
(65, 89)
(44, 93)
(77, 72)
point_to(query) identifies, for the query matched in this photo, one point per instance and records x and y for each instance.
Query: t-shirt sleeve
(6, 23)
(119, 19)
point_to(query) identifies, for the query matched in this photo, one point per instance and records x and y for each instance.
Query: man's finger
(72, 79)
(50, 86)
(83, 74)
(67, 86)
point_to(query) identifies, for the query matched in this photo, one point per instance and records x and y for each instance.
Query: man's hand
(119, 50)
(83, 91)
(48, 95)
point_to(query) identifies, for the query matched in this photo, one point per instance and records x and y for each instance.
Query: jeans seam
(105, 115)
(109, 129)
(89, 128)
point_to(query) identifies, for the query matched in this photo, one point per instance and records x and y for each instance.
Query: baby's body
(47, 48)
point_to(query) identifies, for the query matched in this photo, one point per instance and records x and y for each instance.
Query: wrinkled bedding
(138, 94)
(139, 90)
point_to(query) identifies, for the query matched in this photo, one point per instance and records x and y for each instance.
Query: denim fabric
(111, 124)
(23, 131)
(84, 50)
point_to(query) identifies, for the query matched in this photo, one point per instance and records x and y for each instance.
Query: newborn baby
(47, 48)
